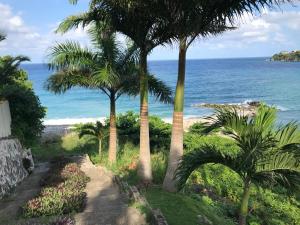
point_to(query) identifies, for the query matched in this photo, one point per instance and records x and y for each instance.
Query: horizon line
(156, 60)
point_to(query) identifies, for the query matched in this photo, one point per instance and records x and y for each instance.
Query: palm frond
(9, 67)
(64, 80)
(265, 117)
(228, 117)
(160, 90)
(83, 133)
(97, 130)
(203, 155)
(280, 168)
(86, 129)
(105, 77)
(76, 21)
(70, 54)
(288, 135)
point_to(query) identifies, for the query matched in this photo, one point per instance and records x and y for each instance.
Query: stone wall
(12, 170)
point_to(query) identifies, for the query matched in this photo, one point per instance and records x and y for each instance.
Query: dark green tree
(267, 156)
(26, 110)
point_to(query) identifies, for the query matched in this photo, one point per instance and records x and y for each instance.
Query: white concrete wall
(5, 119)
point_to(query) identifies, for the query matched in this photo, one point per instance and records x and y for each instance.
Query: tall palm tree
(190, 19)
(106, 67)
(267, 155)
(97, 130)
(139, 21)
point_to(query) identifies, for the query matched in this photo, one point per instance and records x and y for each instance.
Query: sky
(29, 26)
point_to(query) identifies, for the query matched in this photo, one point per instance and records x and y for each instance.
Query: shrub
(129, 130)
(160, 133)
(193, 141)
(26, 110)
(62, 192)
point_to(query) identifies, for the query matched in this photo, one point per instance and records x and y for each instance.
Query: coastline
(61, 127)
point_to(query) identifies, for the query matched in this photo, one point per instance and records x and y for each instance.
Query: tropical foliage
(141, 22)
(97, 130)
(188, 20)
(128, 131)
(107, 67)
(26, 110)
(267, 156)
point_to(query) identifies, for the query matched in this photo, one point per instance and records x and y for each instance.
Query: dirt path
(105, 204)
(10, 206)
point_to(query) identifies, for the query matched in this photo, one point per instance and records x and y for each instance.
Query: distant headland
(293, 56)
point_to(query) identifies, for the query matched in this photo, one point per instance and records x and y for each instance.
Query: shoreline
(54, 130)
(61, 127)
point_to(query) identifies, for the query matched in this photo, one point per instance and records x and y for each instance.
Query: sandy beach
(63, 127)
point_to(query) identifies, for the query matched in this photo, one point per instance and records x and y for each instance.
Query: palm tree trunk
(176, 150)
(100, 147)
(244, 204)
(112, 153)
(144, 169)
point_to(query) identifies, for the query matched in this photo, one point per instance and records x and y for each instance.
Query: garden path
(29, 188)
(105, 204)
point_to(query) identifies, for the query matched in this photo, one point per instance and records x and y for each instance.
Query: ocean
(207, 81)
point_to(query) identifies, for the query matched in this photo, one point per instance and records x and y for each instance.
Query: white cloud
(277, 29)
(27, 40)
(270, 28)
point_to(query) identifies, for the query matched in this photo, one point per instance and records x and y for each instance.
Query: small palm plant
(97, 130)
(268, 155)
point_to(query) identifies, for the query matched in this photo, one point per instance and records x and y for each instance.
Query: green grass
(269, 207)
(180, 209)
(66, 146)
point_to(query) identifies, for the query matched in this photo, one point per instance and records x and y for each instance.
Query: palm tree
(9, 69)
(190, 19)
(188, 24)
(139, 21)
(267, 155)
(97, 130)
(107, 68)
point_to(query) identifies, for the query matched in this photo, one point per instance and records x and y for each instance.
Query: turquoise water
(207, 81)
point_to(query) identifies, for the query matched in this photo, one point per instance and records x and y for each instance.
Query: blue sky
(29, 27)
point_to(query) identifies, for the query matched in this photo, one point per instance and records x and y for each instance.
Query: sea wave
(244, 103)
(71, 121)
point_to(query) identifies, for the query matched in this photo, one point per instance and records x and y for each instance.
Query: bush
(26, 113)
(62, 192)
(193, 141)
(129, 130)
(26, 110)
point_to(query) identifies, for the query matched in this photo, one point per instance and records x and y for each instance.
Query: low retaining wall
(12, 170)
